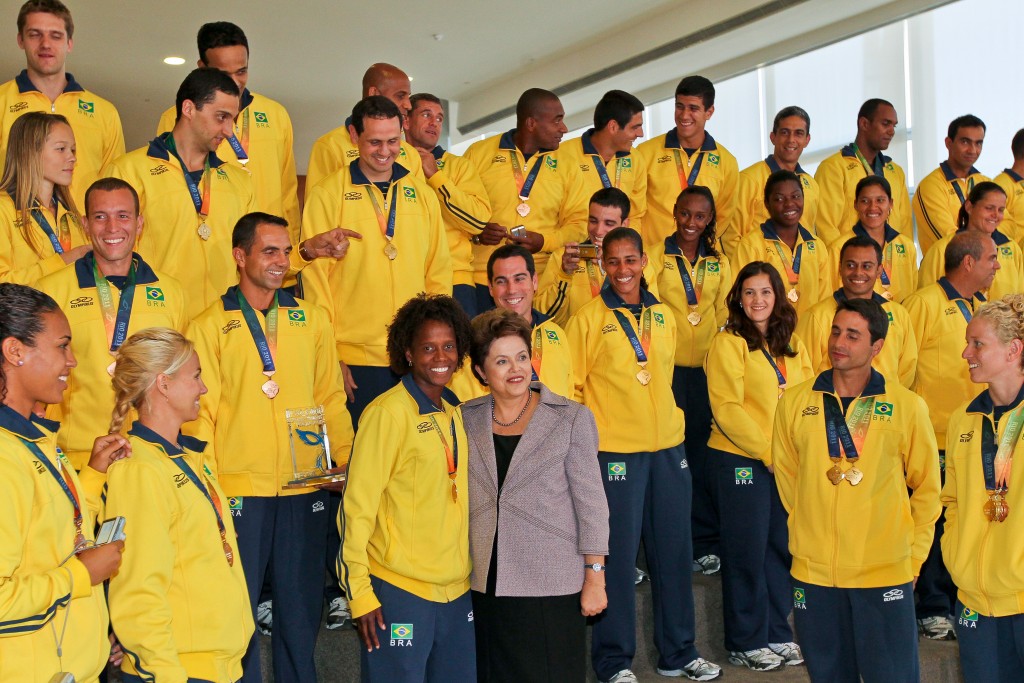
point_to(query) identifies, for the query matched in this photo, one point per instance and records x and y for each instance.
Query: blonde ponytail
(143, 356)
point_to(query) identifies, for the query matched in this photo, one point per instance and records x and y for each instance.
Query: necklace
(529, 398)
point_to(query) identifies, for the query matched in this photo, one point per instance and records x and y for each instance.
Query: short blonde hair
(145, 354)
(1006, 316)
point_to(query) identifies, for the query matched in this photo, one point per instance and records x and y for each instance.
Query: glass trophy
(310, 448)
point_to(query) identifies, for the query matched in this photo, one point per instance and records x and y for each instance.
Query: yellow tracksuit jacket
(750, 209)
(764, 244)
(24, 261)
(1009, 279)
(335, 150)
(625, 171)
(465, 209)
(903, 268)
(1013, 184)
(937, 202)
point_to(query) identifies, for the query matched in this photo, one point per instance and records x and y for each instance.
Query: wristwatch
(597, 567)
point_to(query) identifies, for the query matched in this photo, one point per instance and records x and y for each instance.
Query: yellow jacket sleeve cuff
(82, 584)
(438, 179)
(364, 604)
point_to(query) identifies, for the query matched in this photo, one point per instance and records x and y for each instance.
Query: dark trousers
(690, 388)
(284, 535)
(755, 555)
(465, 296)
(991, 648)
(484, 302)
(131, 678)
(849, 634)
(935, 591)
(423, 641)
(649, 497)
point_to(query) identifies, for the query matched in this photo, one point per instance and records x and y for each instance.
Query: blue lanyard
(778, 373)
(962, 305)
(187, 469)
(531, 177)
(193, 186)
(38, 453)
(634, 340)
(837, 431)
(256, 330)
(40, 218)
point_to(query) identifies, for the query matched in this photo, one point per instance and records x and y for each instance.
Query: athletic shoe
(624, 676)
(338, 614)
(790, 652)
(699, 669)
(641, 576)
(936, 628)
(707, 565)
(265, 617)
(761, 659)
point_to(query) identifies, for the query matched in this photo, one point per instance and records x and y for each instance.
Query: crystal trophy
(310, 448)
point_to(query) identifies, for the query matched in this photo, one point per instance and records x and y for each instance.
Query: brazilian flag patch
(799, 597)
(552, 335)
(87, 107)
(552, 163)
(298, 315)
(883, 409)
(401, 631)
(969, 615)
(260, 117)
(154, 294)
(616, 469)
(410, 193)
(713, 267)
(744, 474)
(235, 503)
(626, 163)
(900, 249)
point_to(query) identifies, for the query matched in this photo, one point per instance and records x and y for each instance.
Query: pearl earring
(20, 363)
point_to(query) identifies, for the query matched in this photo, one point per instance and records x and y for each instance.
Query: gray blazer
(553, 506)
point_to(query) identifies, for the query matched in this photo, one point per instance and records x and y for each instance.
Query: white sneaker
(936, 628)
(641, 576)
(761, 659)
(265, 617)
(790, 652)
(699, 669)
(338, 614)
(707, 565)
(624, 676)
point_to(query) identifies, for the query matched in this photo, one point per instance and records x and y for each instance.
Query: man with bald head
(527, 188)
(337, 148)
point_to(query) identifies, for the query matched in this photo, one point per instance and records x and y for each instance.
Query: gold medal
(523, 209)
(455, 492)
(996, 509)
(835, 474)
(643, 377)
(887, 295)
(204, 231)
(390, 250)
(694, 318)
(228, 552)
(793, 295)
(853, 475)
(270, 388)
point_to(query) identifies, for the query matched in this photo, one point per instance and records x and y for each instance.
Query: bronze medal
(854, 475)
(793, 295)
(886, 294)
(455, 492)
(835, 475)
(996, 509)
(270, 388)
(643, 377)
(694, 318)
(391, 251)
(523, 209)
(204, 231)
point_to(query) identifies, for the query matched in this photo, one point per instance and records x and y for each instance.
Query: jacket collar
(424, 404)
(948, 172)
(1013, 174)
(13, 422)
(158, 150)
(875, 387)
(438, 152)
(588, 146)
(952, 294)
(508, 141)
(359, 178)
(774, 167)
(982, 403)
(672, 141)
(613, 300)
(539, 318)
(144, 274)
(230, 299)
(839, 295)
(890, 234)
(245, 100)
(187, 443)
(770, 232)
(880, 161)
(673, 248)
(25, 84)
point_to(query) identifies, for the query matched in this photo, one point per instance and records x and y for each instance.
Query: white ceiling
(311, 54)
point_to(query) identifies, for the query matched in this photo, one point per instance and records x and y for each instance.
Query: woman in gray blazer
(538, 514)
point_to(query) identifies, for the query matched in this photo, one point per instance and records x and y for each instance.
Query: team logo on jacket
(18, 106)
(608, 328)
(351, 153)
(551, 335)
(713, 267)
(799, 598)
(884, 409)
(626, 163)
(180, 479)
(616, 471)
(810, 245)
(888, 314)
(806, 182)
(1006, 251)
(499, 159)
(409, 193)
(893, 595)
(551, 163)
(968, 618)
(424, 428)
(318, 506)
(713, 159)
(235, 506)
(660, 319)
(261, 119)
(232, 325)
(297, 317)
(967, 437)
(159, 170)
(401, 635)
(809, 411)
(154, 294)
(900, 249)
(401, 152)
(86, 107)
(80, 301)
(584, 167)
(744, 476)
(440, 164)
(353, 196)
(665, 159)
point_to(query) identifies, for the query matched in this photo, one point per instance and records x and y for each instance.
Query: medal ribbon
(594, 277)
(849, 433)
(525, 185)
(386, 229)
(61, 243)
(995, 462)
(66, 485)
(602, 170)
(641, 345)
(241, 149)
(115, 318)
(792, 270)
(692, 292)
(964, 309)
(201, 200)
(451, 453)
(885, 276)
(266, 344)
(538, 353)
(214, 502)
(779, 368)
(684, 181)
(867, 167)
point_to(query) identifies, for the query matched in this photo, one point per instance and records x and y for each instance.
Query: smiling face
(691, 117)
(858, 270)
(58, 155)
(232, 60)
(45, 42)
(624, 264)
(965, 148)
(692, 213)
(507, 367)
(378, 147)
(183, 389)
(987, 357)
(873, 207)
(512, 287)
(433, 355)
(987, 213)
(425, 124)
(548, 126)
(849, 342)
(758, 299)
(112, 224)
(624, 137)
(265, 264)
(45, 366)
(786, 204)
(790, 139)
(603, 219)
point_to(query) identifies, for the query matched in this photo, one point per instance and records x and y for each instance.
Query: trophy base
(314, 480)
